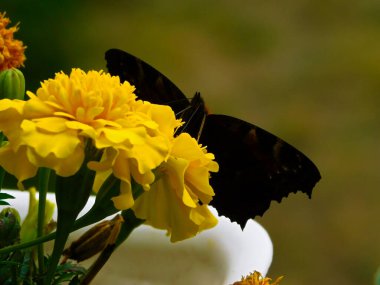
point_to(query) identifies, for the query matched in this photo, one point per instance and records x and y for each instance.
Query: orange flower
(257, 279)
(11, 50)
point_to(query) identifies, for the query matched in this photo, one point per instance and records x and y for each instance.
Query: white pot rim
(225, 252)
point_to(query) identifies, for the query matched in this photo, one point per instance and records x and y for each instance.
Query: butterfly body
(255, 167)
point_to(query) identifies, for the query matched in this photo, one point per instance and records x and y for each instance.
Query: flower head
(177, 200)
(257, 279)
(11, 50)
(69, 113)
(92, 118)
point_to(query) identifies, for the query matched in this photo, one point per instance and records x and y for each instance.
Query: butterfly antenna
(196, 108)
(201, 127)
(183, 128)
(183, 110)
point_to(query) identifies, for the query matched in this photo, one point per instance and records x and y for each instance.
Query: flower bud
(12, 84)
(9, 227)
(94, 240)
(29, 226)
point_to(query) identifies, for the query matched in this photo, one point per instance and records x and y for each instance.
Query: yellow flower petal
(177, 201)
(163, 115)
(61, 144)
(125, 199)
(16, 163)
(66, 166)
(11, 117)
(175, 169)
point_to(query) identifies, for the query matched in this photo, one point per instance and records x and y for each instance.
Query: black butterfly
(256, 167)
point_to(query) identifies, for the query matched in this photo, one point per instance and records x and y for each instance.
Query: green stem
(2, 174)
(64, 225)
(43, 182)
(2, 171)
(72, 194)
(102, 208)
(98, 264)
(93, 216)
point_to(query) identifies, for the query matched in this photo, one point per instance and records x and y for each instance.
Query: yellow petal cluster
(68, 112)
(257, 279)
(11, 50)
(92, 118)
(177, 200)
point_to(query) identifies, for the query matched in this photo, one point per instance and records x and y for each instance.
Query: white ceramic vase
(218, 256)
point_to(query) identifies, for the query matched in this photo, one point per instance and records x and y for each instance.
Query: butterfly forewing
(150, 84)
(156, 88)
(255, 167)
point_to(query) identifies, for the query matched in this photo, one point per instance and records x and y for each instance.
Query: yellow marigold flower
(257, 279)
(177, 200)
(52, 129)
(11, 50)
(140, 160)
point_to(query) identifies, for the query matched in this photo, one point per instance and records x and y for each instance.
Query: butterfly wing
(151, 85)
(256, 168)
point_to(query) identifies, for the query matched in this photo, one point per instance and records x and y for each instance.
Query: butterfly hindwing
(255, 167)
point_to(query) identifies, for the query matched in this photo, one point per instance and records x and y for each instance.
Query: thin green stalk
(43, 182)
(98, 264)
(2, 174)
(72, 194)
(102, 208)
(2, 171)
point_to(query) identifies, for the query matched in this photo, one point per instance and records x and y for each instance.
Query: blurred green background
(305, 70)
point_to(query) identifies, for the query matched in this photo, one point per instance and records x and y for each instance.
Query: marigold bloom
(257, 279)
(11, 50)
(67, 113)
(177, 200)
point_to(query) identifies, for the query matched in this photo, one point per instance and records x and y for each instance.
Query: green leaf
(4, 196)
